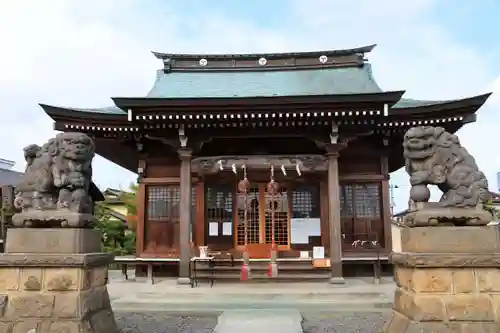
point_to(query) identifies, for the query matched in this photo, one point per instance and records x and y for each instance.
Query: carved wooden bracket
(194, 144)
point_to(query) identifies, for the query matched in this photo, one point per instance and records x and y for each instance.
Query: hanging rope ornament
(272, 186)
(243, 187)
(272, 189)
(244, 184)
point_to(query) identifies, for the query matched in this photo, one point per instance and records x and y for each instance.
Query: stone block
(62, 279)
(432, 280)
(31, 305)
(31, 279)
(52, 240)
(463, 280)
(478, 307)
(488, 279)
(451, 239)
(403, 277)
(9, 278)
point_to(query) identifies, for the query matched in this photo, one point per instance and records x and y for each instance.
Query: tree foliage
(115, 235)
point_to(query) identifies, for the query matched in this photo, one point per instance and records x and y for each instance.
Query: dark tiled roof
(9, 177)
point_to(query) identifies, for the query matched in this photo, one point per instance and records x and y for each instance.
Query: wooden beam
(164, 180)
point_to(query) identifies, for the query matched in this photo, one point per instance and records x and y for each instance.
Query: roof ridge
(269, 55)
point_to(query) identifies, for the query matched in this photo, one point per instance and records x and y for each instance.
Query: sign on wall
(302, 228)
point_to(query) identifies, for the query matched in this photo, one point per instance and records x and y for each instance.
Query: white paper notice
(213, 229)
(298, 234)
(314, 227)
(318, 252)
(227, 228)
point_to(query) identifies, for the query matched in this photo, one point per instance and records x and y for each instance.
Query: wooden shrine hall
(272, 157)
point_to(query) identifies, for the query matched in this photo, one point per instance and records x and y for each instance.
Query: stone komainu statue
(435, 157)
(57, 177)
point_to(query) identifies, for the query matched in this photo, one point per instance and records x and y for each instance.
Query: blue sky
(80, 53)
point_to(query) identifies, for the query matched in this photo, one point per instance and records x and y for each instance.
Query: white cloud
(81, 53)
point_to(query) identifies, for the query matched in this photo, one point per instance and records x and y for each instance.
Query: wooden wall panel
(162, 237)
(359, 165)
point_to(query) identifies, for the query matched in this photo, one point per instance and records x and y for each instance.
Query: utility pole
(392, 187)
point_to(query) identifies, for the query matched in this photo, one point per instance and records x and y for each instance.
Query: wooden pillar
(335, 224)
(140, 219)
(185, 216)
(386, 205)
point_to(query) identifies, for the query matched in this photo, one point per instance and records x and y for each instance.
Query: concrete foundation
(448, 280)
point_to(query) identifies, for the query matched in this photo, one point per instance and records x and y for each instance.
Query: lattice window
(219, 206)
(346, 200)
(367, 200)
(280, 204)
(251, 204)
(163, 203)
(305, 202)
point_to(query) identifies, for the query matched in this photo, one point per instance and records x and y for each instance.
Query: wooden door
(256, 231)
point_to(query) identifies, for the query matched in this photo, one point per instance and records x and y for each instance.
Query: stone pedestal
(55, 292)
(448, 280)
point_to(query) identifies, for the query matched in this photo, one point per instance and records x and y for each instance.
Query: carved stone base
(51, 219)
(52, 240)
(434, 216)
(55, 293)
(448, 280)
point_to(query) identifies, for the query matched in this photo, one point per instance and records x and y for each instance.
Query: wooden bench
(149, 262)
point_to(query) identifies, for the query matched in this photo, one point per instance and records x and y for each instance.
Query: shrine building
(314, 134)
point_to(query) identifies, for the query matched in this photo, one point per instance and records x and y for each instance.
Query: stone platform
(53, 240)
(448, 280)
(54, 286)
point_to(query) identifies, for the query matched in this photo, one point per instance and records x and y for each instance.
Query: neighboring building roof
(9, 177)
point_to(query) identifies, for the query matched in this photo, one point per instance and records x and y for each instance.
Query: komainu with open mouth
(434, 156)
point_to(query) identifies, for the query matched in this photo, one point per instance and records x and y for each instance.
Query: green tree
(116, 238)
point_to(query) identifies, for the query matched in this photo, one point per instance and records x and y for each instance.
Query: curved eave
(362, 49)
(420, 107)
(389, 97)
(58, 113)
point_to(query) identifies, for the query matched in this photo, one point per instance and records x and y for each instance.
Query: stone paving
(359, 306)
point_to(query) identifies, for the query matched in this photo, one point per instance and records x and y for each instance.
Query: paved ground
(164, 307)
(355, 322)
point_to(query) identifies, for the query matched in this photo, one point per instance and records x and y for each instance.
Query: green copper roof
(328, 81)
(405, 103)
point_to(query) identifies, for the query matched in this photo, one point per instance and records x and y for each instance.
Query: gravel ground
(358, 322)
(362, 322)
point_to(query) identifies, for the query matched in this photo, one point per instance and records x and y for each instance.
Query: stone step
(262, 277)
(250, 321)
